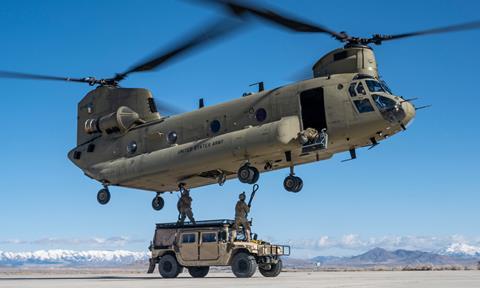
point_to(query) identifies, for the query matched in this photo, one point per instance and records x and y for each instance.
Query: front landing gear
(103, 196)
(248, 174)
(293, 183)
(158, 202)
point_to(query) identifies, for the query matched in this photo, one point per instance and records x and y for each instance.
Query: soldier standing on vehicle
(184, 206)
(241, 211)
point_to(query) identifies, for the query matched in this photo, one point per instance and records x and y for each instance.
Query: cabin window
(363, 105)
(215, 126)
(188, 238)
(172, 137)
(261, 115)
(351, 90)
(132, 147)
(361, 89)
(209, 237)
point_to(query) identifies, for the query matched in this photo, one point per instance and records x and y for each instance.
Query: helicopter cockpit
(391, 107)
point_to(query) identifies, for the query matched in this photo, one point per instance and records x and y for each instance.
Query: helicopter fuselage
(264, 129)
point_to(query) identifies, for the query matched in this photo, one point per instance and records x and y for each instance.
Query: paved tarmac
(433, 279)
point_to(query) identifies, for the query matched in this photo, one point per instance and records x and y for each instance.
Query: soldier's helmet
(242, 196)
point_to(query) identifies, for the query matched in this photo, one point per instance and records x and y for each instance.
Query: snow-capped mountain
(462, 249)
(72, 258)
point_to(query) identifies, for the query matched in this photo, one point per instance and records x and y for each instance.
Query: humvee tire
(198, 272)
(169, 267)
(244, 265)
(274, 270)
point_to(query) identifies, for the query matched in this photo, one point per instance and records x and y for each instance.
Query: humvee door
(189, 246)
(209, 246)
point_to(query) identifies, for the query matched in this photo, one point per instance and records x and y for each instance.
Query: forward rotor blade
(447, 29)
(19, 75)
(214, 31)
(278, 18)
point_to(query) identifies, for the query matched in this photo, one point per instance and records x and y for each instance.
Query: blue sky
(421, 184)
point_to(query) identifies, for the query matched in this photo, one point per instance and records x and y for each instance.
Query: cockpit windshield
(385, 86)
(374, 86)
(383, 103)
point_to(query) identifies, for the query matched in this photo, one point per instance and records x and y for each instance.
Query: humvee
(209, 243)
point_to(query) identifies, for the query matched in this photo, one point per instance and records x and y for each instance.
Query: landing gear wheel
(198, 272)
(169, 267)
(244, 265)
(158, 203)
(293, 183)
(289, 183)
(103, 196)
(299, 185)
(248, 174)
(272, 271)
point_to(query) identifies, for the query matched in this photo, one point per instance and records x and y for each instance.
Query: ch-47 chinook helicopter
(122, 139)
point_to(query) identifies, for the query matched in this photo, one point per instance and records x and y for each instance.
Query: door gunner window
(363, 105)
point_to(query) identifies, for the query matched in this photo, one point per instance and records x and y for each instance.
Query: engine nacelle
(120, 121)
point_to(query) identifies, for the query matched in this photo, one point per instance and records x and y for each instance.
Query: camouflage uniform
(241, 211)
(184, 206)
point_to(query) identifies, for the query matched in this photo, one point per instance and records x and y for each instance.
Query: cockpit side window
(351, 89)
(363, 106)
(374, 86)
(360, 89)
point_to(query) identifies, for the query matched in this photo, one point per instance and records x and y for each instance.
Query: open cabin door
(313, 109)
(312, 104)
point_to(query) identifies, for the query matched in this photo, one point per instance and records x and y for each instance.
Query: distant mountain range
(67, 258)
(456, 254)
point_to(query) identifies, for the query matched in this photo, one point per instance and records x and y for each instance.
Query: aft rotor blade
(278, 18)
(447, 29)
(213, 31)
(20, 75)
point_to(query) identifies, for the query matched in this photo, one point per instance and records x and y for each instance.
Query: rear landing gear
(158, 202)
(103, 196)
(248, 174)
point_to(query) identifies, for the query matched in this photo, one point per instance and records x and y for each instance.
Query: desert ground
(414, 279)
